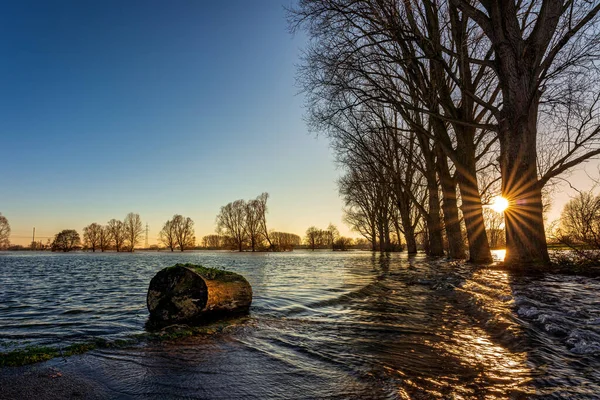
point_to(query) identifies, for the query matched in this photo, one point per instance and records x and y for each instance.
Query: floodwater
(323, 325)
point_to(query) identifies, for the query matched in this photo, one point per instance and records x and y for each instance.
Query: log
(187, 293)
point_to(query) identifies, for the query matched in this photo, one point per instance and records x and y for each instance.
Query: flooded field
(323, 325)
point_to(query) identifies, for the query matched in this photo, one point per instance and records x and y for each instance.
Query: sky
(158, 108)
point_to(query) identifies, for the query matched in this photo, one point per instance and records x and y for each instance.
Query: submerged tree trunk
(456, 247)
(188, 293)
(373, 238)
(479, 247)
(433, 220)
(407, 224)
(525, 237)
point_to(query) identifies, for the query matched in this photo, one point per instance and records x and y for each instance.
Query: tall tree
(167, 235)
(252, 223)
(332, 233)
(104, 238)
(116, 230)
(261, 211)
(535, 43)
(184, 232)
(91, 236)
(133, 230)
(231, 222)
(313, 237)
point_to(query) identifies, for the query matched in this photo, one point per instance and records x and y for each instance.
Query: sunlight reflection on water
(498, 255)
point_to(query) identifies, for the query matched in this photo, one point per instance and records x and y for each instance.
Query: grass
(211, 273)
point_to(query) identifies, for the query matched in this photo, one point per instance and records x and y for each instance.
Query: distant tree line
(116, 234)
(316, 238)
(242, 225)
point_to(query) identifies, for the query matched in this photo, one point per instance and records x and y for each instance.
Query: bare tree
(91, 236)
(494, 225)
(535, 44)
(4, 232)
(331, 234)
(261, 211)
(413, 57)
(252, 223)
(580, 220)
(167, 235)
(184, 231)
(104, 238)
(133, 230)
(313, 237)
(116, 230)
(231, 222)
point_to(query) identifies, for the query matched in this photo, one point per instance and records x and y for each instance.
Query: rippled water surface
(324, 325)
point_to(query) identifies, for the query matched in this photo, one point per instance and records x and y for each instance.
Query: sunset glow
(500, 204)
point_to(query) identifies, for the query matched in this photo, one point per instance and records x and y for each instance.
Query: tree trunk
(479, 247)
(373, 239)
(381, 238)
(189, 293)
(456, 246)
(409, 231)
(432, 218)
(525, 237)
(434, 222)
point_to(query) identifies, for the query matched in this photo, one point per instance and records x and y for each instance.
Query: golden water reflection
(476, 345)
(499, 255)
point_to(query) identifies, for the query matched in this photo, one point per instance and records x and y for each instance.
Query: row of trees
(316, 238)
(280, 241)
(431, 104)
(116, 234)
(242, 225)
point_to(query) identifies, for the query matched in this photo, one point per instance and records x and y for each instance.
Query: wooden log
(191, 293)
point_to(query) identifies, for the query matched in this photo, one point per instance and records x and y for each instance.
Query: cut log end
(189, 293)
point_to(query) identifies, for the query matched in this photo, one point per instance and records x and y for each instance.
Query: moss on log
(191, 293)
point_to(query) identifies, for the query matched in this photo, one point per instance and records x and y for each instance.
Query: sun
(500, 204)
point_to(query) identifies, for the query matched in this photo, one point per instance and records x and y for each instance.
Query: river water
(323, 325)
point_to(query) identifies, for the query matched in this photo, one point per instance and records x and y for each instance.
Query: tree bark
(456, 247)
(433, 220)
(479, 247)
(525, 236)
(409, 231)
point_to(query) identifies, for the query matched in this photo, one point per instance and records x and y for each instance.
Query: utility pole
(146, 235)
(33, 240)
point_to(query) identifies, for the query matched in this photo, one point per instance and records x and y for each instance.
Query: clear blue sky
(155, 107)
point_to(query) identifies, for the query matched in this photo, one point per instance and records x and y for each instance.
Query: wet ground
(323, 325)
